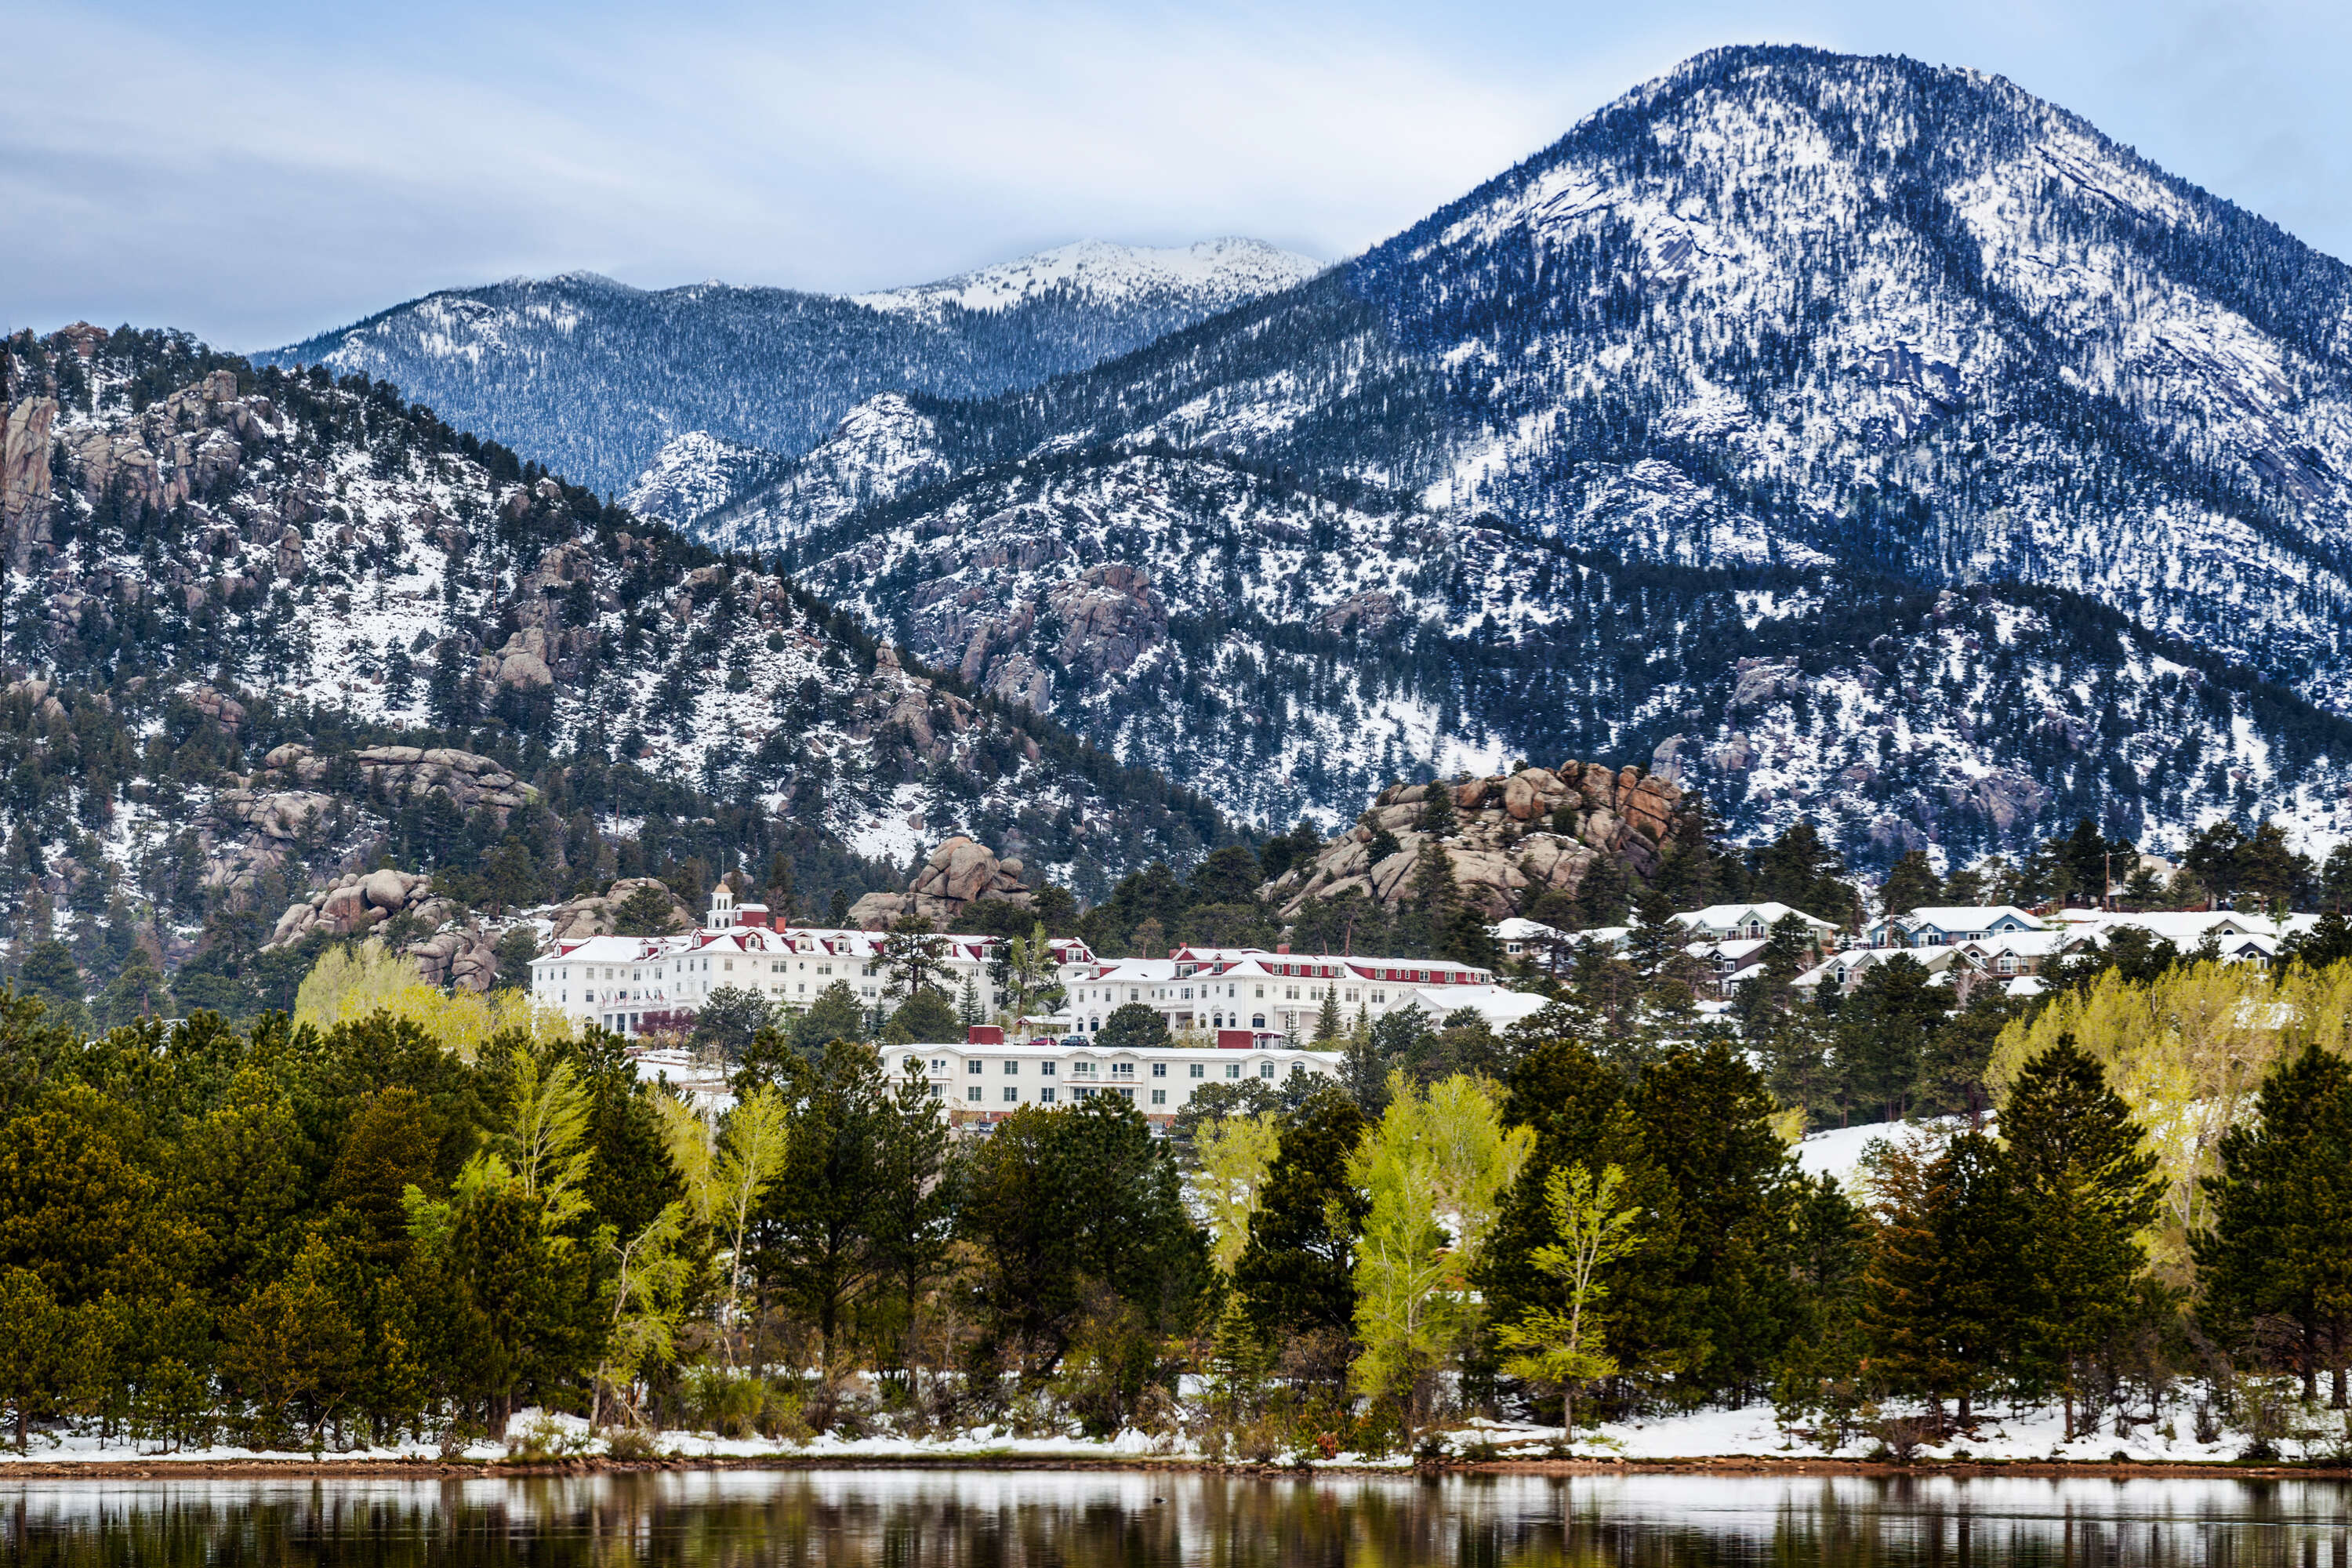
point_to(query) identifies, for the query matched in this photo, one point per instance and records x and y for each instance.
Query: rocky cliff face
(959, 873)
(1513, 838)
(357, 632)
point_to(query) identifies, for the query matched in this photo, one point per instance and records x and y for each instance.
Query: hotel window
(1266, 1069)
(1378, 997)
(1261, 993)
(1159, 1096)
(1122, 1070)
(1045, 1095)
(1124, 1093)
(1082, 1092)
(1012, 1094)
(975, 1066)
(938, 1092)
(1012, 1069)
(1158, 1069)
(1045, 1070)
(973, 1093)
(1232, 1070)
(1200, 1070)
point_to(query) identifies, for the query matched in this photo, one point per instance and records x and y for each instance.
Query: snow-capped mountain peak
(1216, 272)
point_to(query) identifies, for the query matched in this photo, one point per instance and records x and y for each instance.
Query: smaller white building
(1232, 991)
(983, 1082)
(1746, 922)
(2237, 938)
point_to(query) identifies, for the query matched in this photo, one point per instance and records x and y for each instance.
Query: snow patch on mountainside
(885, 448)
(696, 474)
(1213, 272)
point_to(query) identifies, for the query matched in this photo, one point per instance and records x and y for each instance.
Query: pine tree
(1937, 1291)
(1883, 1029)
(1788, 952)
(1328, 1019)
(1911, 885)
(1431, 897)
(1294, 1272)
(1799, 869)
(1903, 1283)
(2281, 1244)
(2086, 1188)
(1437, 816)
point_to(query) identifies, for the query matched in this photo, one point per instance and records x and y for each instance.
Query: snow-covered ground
(2002, 1433)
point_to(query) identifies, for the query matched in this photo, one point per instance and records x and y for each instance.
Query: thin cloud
(262, 172)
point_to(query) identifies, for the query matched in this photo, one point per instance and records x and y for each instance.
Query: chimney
(1282, 947)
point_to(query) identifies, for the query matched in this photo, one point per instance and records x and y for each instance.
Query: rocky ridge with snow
(359, 586)
(598, 380)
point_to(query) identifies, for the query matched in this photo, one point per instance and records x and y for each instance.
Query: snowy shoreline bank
(1713, 1441)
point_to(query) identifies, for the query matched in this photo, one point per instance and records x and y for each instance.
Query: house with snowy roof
(1745, 922)
(1942, 926)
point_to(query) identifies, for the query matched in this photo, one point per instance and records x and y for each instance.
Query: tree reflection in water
(1124, 1520)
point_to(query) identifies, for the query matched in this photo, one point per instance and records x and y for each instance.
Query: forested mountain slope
(206, 563)
(1832, 335)
(593, 378)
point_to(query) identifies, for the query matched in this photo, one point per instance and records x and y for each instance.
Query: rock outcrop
(24, 481)
(959, 873)
(464, 958)
(359, 902)
(1515, 837)
(467, 778)
(593, 914)
(451, 954)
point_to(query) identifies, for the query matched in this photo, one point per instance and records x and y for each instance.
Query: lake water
(1031, 1518)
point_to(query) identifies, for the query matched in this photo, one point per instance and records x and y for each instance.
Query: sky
(255, 172)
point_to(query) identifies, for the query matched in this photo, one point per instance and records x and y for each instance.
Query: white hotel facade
(620, 982)
(1242, 999)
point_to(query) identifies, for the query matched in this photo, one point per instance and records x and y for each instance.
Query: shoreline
(305, 1468)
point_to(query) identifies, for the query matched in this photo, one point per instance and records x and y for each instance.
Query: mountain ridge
(592, 376)
(1775, 308)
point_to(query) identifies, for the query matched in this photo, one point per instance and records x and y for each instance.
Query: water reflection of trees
(1035, 1520)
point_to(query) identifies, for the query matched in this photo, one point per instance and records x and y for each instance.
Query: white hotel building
(620, 982)
(980, 1082)
(1230, 991)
